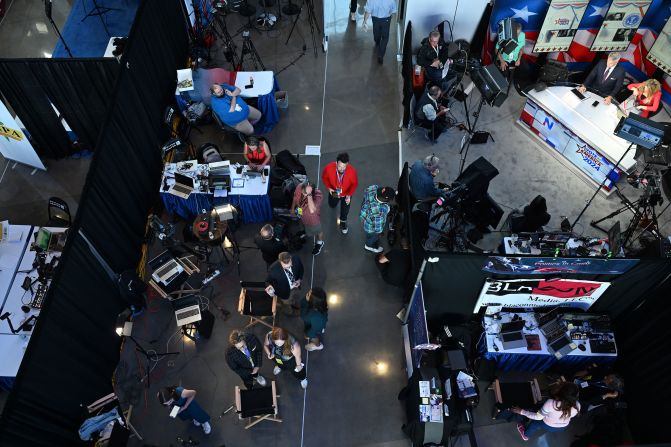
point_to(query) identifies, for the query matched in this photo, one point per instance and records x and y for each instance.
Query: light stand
(605, 179)
(471, 131)
(312, 20)
(98, 10)
(124, 329)
(227, 43)
(249, 48)
(47, 11)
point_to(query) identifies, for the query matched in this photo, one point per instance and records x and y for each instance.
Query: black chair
(258, 403)
(256, 304)
(228, 129)
(533, 217)
(209, 153)
(59, 213)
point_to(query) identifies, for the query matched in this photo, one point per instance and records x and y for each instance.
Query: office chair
(531, 219)
(209, 153)
(228, 129)
(59, 213)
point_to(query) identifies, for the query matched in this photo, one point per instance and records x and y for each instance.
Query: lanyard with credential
(340, 176)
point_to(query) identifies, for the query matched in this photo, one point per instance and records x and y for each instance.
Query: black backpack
(286, 160)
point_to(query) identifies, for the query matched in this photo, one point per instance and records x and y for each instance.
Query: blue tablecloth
(254, 209)
(540, 362)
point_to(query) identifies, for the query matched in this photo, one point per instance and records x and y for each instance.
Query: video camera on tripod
(161, 231)
(454, 197)
(652, 194)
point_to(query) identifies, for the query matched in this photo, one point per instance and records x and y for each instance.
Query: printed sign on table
(620, 24)
(506, 265)
(525, 293)
(560, 25)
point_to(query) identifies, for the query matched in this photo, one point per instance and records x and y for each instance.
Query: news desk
(577, 133)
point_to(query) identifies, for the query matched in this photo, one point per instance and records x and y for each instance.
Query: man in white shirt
(381, 11)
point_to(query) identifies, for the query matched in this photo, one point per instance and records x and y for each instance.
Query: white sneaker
(196, 423)
(276, 370)
(352, 16)
(313, 347)
(304, 383)
(207, 429)
(261, 380)
(374, 250)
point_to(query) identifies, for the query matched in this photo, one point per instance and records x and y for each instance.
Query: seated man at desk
(599, 386)
(430, 115)
(432, 56)
(256, 153)
(421, 178)
(232, 109)
(606, 78)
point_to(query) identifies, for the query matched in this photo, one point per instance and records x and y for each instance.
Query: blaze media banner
(525, 293)
(505, 265)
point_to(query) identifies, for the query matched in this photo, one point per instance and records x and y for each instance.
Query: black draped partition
(406, 72)
(73, 351)
(81, 90)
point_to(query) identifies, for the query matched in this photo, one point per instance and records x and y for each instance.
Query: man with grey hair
(421, 178)
(606, 78)
(268, 244)
(432, 56)
(430, 115)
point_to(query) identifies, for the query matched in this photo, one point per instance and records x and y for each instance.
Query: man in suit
(284, 279)
(606, 78)
(269, 245)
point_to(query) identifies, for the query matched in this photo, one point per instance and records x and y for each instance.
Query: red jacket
(349, 181)
(650, 105)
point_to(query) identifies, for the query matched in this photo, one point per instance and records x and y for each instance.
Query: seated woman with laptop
(647, 96)
(256, 153)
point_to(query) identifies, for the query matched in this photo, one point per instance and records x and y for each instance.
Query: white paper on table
(312, 150)
(424, 388)
(220, 193)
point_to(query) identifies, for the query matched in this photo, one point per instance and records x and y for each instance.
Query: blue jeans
(372, 239)
(535, 425)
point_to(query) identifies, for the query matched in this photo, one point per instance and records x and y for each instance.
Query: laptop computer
(165, 268)
(183, 187)
(187, 310)
(561, 346)
(626, 107)
(50, 241)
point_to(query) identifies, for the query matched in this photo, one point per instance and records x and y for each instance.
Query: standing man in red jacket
(341, 181)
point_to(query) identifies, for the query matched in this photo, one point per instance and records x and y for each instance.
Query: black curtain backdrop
(645, 363)
(406, 72)
(74, 351)
(81, 90)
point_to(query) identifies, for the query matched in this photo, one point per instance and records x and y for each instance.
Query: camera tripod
(312, 20)
(249, 48)
(219, 28)
(644, 218)
(471, 133)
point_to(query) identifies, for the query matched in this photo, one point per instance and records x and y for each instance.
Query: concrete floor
(343, 101)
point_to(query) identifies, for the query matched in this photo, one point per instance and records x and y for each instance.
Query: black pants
(344, 206)
(435, 127)
(381, 34)
(248, 379)
(352, 5)
(291, 365)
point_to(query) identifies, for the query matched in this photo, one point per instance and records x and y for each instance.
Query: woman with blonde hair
(648, 95)
(283, 348)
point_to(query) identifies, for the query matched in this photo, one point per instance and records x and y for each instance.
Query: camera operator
(421, 179)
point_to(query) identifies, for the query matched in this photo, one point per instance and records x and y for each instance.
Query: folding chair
(183, 288)
(520, 394)
(59, 213)
(258, 403)
(107, 403)
(255, 303)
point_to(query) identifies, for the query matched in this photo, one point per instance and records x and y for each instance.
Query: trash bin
(282, 99)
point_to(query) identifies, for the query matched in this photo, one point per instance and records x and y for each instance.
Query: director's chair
(258, 403)
(255, 303)
(120, 434)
